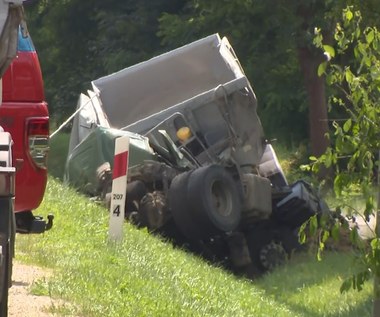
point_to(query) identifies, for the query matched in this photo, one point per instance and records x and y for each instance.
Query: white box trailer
(146, 88)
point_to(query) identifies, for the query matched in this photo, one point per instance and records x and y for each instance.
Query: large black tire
(214, 199)
(181, 210)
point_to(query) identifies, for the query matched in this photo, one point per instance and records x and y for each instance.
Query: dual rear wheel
(205, 202)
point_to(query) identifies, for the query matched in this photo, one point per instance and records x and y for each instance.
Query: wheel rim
(221, 198)
(272, 255)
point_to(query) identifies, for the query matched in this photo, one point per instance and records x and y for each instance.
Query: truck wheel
(264, 248)
(214, 198)
(272, 255)
(180, 209)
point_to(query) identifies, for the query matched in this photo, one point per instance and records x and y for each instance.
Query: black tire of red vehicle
(214, 198)
(7, 241)
(5, 277)
(7, 245)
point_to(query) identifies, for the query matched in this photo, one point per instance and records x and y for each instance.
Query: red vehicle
(24, 113)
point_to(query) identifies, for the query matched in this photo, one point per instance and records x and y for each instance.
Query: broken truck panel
(204, 175)
(90, 115)
(98, 148)
(223, 125)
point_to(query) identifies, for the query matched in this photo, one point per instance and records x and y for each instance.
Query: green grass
(291, 159)
(144, 276)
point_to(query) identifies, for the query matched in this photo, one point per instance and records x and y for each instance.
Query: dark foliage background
(79, 41)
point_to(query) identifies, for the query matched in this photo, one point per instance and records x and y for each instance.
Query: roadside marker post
(119, 188)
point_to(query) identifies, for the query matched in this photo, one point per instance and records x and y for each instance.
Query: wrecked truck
(201, 171)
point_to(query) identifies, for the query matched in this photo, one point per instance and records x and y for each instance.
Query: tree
(62, 31)
(354, 153)
(79, 41)
(314, 84)
(274, 42)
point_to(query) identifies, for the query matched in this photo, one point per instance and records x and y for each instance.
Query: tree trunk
(315, 87)
(309, 59)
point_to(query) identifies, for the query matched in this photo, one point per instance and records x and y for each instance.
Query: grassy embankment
(144, 276)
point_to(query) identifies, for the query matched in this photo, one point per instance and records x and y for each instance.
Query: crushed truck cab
(212, 181)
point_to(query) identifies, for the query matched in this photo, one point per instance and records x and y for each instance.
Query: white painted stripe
(118, 198)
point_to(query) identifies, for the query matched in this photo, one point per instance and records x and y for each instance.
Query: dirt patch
(21, 302)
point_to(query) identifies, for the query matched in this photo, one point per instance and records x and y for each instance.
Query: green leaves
(348, 15)
(355, 140)
(370, 36)
(347, 125)
(329, 53)
(349, 76)
(356, 281)
(313, 225)
(329, 50)
(322, 68)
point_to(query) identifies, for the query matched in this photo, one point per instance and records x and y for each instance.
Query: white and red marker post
(119, 188)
